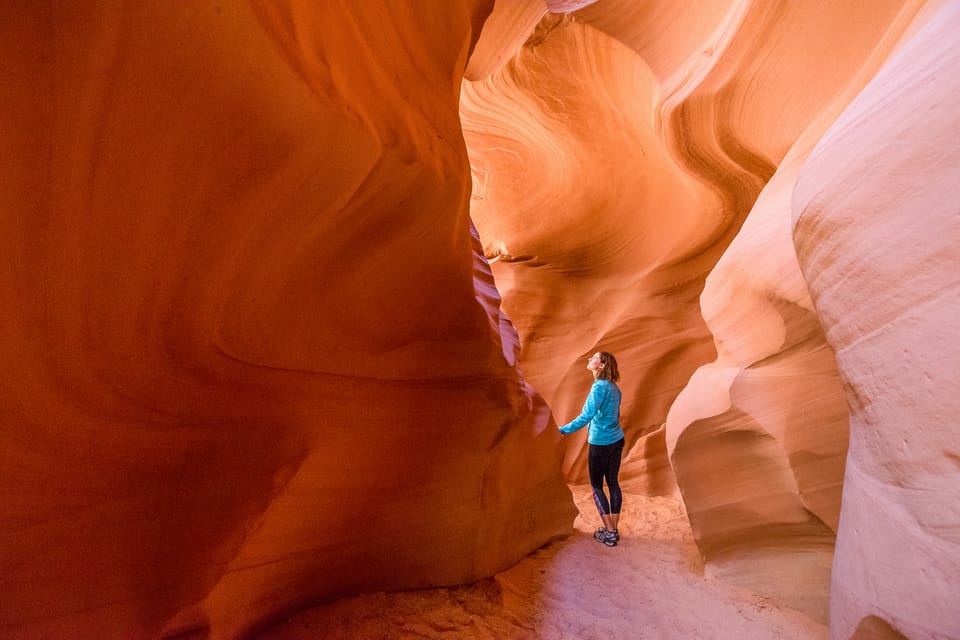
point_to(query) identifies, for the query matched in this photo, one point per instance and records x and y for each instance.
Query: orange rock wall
(255, 356)
(634, 165)
(597, 238)
(251, 359)
(615, 156)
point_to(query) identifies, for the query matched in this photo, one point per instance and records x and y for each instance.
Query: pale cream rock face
(773, 394)
(876, 225)
(758, 438)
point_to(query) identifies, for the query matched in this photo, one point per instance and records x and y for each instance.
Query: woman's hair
(609, 370)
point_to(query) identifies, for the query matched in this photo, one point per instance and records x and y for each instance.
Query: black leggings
(604, 462)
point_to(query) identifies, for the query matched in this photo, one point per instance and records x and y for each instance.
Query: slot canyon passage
(296, 294)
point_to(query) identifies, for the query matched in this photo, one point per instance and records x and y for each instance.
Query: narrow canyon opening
(297, 294)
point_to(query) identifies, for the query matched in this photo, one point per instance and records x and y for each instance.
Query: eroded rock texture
(597, 237)
(615, 157)
(758, 439)
(247, 363)
(877, 221)
(254, 352)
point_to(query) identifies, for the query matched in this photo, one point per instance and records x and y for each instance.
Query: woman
(605, 437)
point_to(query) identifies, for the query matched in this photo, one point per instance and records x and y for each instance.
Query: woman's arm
(589, 410)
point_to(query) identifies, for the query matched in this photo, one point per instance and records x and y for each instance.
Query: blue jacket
(602, 411)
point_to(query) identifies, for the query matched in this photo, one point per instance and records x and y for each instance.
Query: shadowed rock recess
(296, 293)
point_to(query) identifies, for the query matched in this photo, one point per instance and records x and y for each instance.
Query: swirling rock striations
(251, 359)
(257, 356)
(615, 157)
(876, 223)
(758, 439)
(590, 226)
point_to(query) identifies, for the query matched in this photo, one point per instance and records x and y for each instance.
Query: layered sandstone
(257, 356)
(615, 157)
(598, 238)
(250, 358)
(758, 439)
(876, 223)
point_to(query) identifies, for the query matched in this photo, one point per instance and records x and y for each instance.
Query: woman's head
(604, 366)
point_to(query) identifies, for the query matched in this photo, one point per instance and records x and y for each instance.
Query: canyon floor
(652, 586)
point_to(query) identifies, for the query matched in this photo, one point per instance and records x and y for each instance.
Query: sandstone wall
(251, 360)
(876, 223)
(758, 438)
(597, 238)
(255, 356)
(616, 156)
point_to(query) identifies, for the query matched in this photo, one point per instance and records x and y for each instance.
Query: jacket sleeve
(589, 410)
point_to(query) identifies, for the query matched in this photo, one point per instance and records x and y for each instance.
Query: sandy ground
(651, 586)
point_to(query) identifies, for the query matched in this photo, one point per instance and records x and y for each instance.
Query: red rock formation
(254, 352)
(245, 366)
(572, 182)
(615, 156)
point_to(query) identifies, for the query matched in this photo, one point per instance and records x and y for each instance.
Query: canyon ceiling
(296, 294)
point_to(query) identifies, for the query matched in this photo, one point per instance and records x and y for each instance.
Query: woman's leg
(611, 473)
(596, 465)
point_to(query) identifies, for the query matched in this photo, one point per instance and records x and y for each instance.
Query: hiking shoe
(608, 538)
(598, 535)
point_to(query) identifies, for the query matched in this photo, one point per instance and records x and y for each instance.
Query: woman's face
(594, 364)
